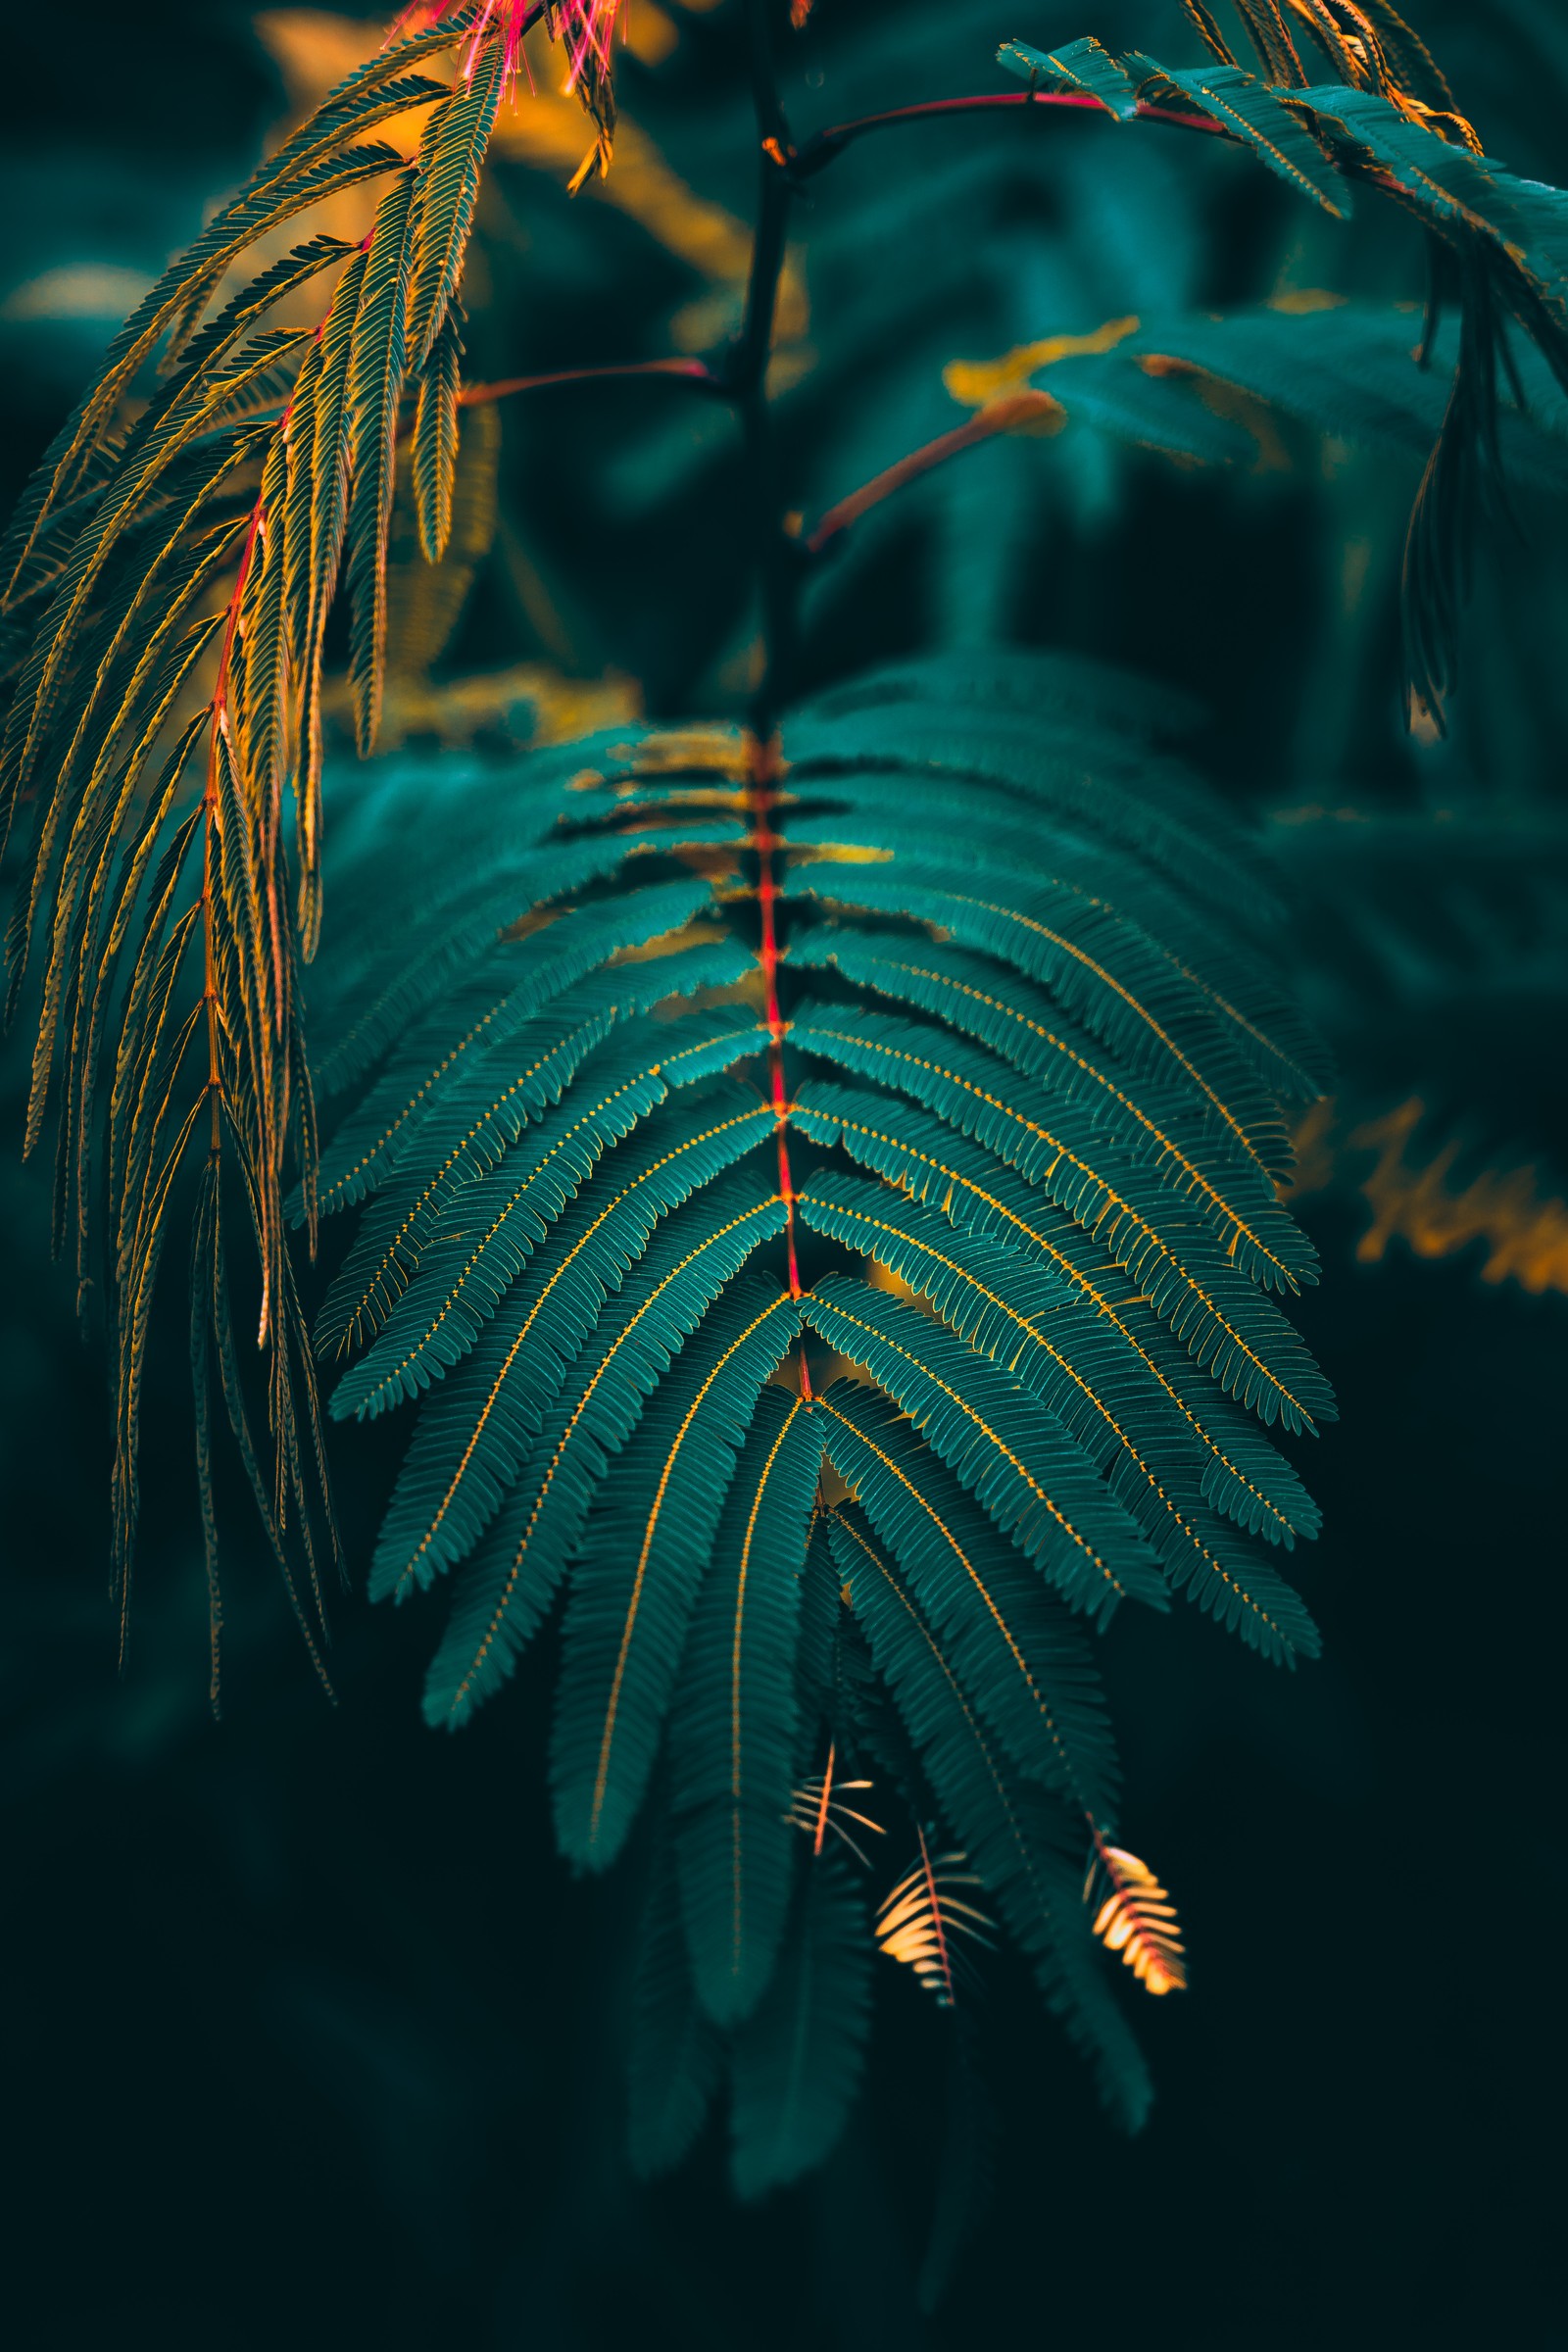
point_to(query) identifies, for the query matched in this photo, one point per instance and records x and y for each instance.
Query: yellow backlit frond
(1525, 1227)
(1138, 1919)
(1526, 1231)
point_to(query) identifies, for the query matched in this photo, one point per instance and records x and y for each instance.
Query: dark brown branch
(1002, 416)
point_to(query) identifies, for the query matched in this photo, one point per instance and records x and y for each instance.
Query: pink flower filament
(585, 28)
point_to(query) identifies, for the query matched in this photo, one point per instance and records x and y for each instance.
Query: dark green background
(305, 2036)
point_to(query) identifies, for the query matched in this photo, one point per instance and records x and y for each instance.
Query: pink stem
(825, 144)
(999, 416)
(692, 371)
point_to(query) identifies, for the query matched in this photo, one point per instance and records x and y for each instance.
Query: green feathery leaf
(677, 2058)
(1022, 1661)
(635, 1579)
(733, 1737)
(1193, 1285)
(1080, 66)
(796, 2062)
(1016, 1459)
(1262, 119)
(515, 1571)
(1014, 1835)
(1044, 1089)
(1243, 1475)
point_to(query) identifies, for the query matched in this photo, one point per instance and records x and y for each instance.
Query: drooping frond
(466, 1131)
(821, 1198)
(225, 456)
(467, 1276)
(1137, 1918)
(1025, 1660)
(1017, 1840)
(377, 994)
(1017, 1022)
(796, 2062)
(1261, 116)
(677, 2058)
(635, 1574)
(921, 1922)
(1072, 760)
(962, 1088)
(734, 1731)
(515, 1570)
(1243, 1475)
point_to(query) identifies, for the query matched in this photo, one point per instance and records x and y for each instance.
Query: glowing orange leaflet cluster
(1525, 1230)
(916, 1923)
(1138, 1919)
(1413, 1199)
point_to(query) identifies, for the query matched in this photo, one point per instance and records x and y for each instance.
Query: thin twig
(692, 371)
(820, 149)
(997, 417)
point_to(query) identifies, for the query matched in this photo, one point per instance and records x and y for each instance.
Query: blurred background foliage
(305, 2028)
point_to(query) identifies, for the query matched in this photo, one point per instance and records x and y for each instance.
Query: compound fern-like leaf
(833, 1548)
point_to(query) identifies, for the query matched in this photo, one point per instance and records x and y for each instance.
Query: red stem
(997, 417)
(760, 801)
(694, 372)
(821, 148)
(935, 1900)
(211, 818)
(827, 1792)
